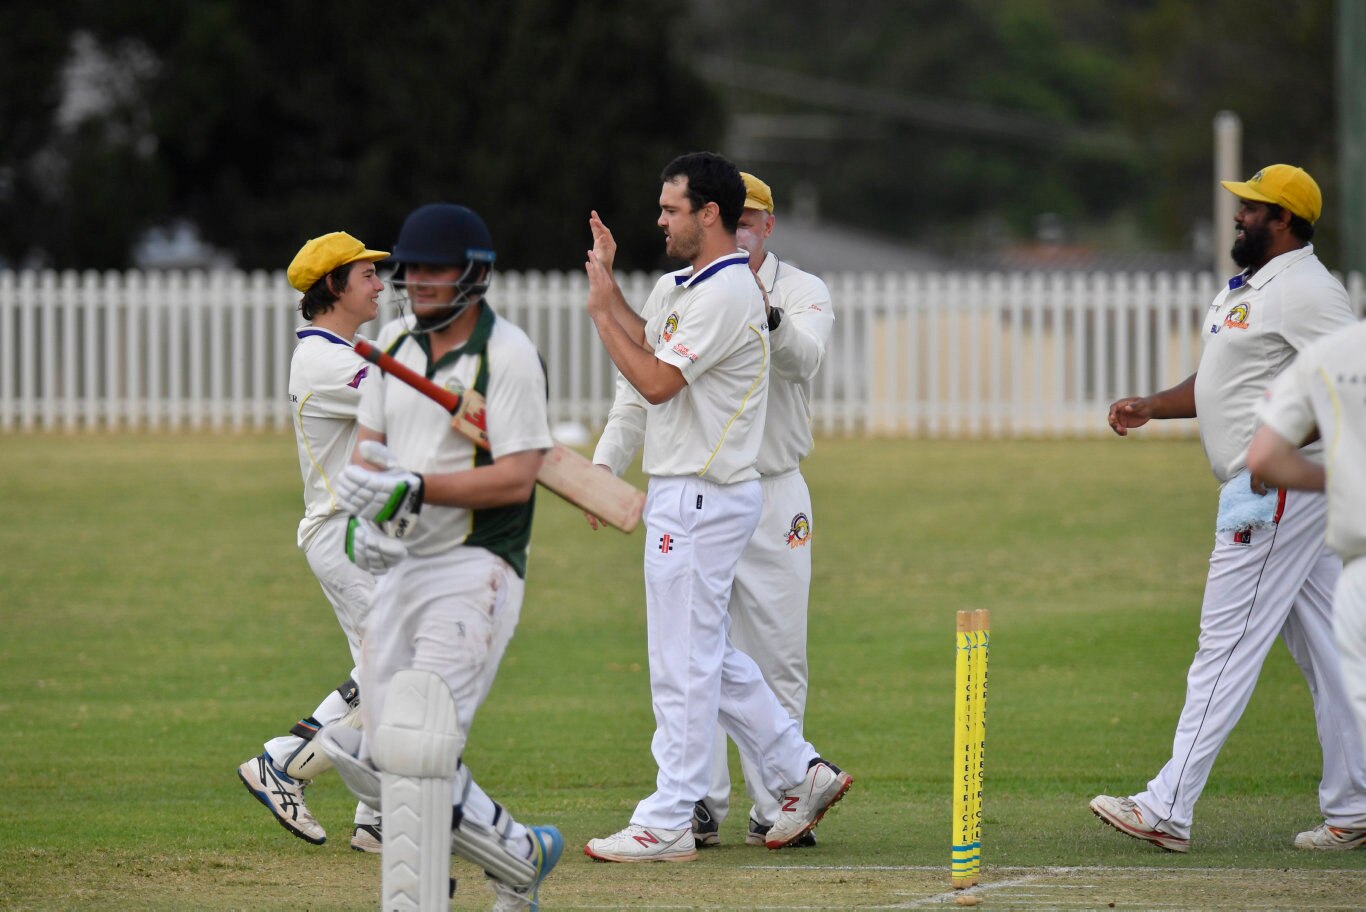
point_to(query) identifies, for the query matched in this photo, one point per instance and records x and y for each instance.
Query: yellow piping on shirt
(308, 445)
(763, 368)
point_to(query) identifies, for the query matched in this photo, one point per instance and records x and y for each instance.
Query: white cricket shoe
(802, 806)
(1331, 838)
(638, 843)
(1124, 815)
(368, 837)
(282, 796)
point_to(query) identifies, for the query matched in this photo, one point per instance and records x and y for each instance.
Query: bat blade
(565, 472)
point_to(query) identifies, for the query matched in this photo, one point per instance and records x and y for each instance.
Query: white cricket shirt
(1252, 331)
(325, 380)
(1325, 387)
(796, 351)
(498, 360)
(711, 326)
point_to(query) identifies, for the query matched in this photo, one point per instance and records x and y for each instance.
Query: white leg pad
(417, 748)
(486, 848)
(310, 759)
(341, 744)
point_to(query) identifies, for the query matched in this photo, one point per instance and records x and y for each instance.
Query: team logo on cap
(799, 533)
(1256, 178)
(670, 326)
(1237, 316)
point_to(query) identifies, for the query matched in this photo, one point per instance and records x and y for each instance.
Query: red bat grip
(445, 398)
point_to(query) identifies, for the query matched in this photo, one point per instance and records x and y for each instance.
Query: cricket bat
(569, 474)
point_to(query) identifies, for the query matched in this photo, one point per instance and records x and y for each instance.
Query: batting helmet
(444, 234)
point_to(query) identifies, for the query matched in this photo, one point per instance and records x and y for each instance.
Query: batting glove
(370, 549)
(391, 498)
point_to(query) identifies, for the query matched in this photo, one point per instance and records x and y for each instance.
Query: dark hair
(320, 298)
(1301, 228)
(711, 178)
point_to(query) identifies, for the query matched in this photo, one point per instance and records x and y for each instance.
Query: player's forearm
(655, 380)
(624, 432)
(510, 480)
(1177, 402)
(1276, 461)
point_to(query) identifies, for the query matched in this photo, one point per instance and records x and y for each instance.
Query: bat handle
(445, 398)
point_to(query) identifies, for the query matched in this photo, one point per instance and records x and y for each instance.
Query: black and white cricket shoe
(283, 796)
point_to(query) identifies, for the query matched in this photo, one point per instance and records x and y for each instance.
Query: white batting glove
(391, 498)
(370, 549)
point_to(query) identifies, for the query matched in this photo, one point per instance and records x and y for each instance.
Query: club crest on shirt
(1237, 316)
(799, 533)
(670, 326)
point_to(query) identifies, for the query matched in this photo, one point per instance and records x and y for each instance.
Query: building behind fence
(928, 354)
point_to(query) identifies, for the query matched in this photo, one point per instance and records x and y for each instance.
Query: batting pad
(310, 759)
(417, 749)
(340, 743)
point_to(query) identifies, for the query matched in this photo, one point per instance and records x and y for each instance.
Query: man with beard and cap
(1270, 571)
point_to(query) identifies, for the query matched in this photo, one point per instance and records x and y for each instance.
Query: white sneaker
(283, 796)
(803, 806)
(638, 843)
(368, 837)
(1123, 814)
(1330, 838)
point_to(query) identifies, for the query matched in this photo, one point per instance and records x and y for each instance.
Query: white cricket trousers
(349, 589)
(1349, 620)
(1280, 582)
(452, 614)
(694, 533)
(768, 622)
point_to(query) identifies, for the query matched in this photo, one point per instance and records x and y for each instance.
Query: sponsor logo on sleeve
(681, 349)
(360, 375)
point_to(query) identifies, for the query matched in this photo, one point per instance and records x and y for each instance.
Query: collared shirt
(796, 348)
(325, 380)
(711, 326)
(499, 361)
(1325, 387)
(1250, 334)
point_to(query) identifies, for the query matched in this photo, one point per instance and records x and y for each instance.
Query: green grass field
(159, 624)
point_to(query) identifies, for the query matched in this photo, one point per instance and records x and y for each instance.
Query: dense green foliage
(956, 125)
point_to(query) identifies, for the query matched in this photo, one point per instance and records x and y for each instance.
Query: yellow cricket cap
(757, 193)
(323, 254)
(1283, 185)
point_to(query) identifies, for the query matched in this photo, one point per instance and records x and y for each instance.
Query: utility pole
(1228, 165)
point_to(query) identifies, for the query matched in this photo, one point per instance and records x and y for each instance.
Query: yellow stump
(969, 744)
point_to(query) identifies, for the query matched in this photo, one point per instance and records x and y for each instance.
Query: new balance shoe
(282, 796)
(368, 837)
(547, 845)
(705, 830)
(1330, 838)
(1125, 816)
(758, 835)
(803, 806)
(638, 843)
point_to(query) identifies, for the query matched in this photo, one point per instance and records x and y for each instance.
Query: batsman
(445, 525)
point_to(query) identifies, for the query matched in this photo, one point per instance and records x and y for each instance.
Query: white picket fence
(944, 355)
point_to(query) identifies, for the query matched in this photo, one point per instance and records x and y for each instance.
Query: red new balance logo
(666, 544)
(790, 802)
(647, 839)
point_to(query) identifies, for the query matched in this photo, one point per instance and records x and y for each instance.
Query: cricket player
(701, 364)
(1324, 392)
(768, 602)
(1270, 571)
(451, 588)
(336, 274)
